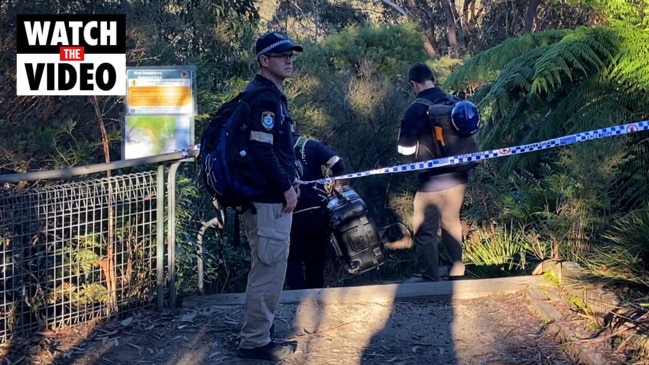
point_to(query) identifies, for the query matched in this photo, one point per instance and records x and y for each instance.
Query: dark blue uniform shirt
(270, 139)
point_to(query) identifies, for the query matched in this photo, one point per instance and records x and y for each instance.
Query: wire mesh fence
(76, 252)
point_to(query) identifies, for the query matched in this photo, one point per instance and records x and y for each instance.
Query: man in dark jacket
(309, 232)
(268, 222)
(441, 190)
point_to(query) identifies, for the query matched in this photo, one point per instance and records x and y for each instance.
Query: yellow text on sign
(159, 96)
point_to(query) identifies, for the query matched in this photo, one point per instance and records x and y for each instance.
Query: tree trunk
(530, 15)
(108, 261)
(468, 4)
(460, 26)
(415, 15)
(451, 28)
(396, 7)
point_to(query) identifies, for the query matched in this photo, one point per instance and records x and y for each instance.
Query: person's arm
(408, 138)
(328, 157)
(290, 198)
(339, 169)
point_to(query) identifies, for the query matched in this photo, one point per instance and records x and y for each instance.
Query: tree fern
(631, 65)
(486, 66)
(585, 50)
(551, 84)
(514, 82)
(559, 82)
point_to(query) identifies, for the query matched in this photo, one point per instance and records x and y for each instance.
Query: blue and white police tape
(501, 152)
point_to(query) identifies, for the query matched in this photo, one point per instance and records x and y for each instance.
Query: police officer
(309, 233)
(268, 222)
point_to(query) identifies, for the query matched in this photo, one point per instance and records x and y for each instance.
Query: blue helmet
(465, 118)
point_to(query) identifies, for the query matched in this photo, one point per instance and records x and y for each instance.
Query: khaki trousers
(268, 231)
(432, 209)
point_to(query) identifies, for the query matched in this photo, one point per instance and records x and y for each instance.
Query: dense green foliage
(548, 84)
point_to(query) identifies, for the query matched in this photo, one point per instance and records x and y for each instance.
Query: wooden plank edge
(460, 289)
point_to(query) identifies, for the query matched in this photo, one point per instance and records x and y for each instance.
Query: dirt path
(497, 328)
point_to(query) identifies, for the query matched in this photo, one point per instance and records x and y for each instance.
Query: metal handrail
(84, 170)
(176, 158)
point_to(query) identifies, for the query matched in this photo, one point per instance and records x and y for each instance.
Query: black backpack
(227, 169)
(454, 137)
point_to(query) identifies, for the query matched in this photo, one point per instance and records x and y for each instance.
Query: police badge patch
(268, 120)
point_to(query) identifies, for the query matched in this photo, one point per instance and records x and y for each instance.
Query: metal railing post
(171, 232)
(160, 247)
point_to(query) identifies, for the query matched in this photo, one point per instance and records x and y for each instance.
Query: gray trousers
(268, 232)
(432, 210)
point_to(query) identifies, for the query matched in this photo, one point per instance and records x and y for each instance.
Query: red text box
(71, 54)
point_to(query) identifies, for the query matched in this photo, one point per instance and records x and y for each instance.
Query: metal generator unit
(354, 237)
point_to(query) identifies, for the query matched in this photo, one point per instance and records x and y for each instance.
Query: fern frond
(585, 50)
(633, 181)
(486, 66)
(631, 65)
(514, 82)
(583, 109)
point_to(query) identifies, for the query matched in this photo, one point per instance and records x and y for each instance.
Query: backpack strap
(251, 94)
(447, 99)
(249, 97)
(423, 101)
